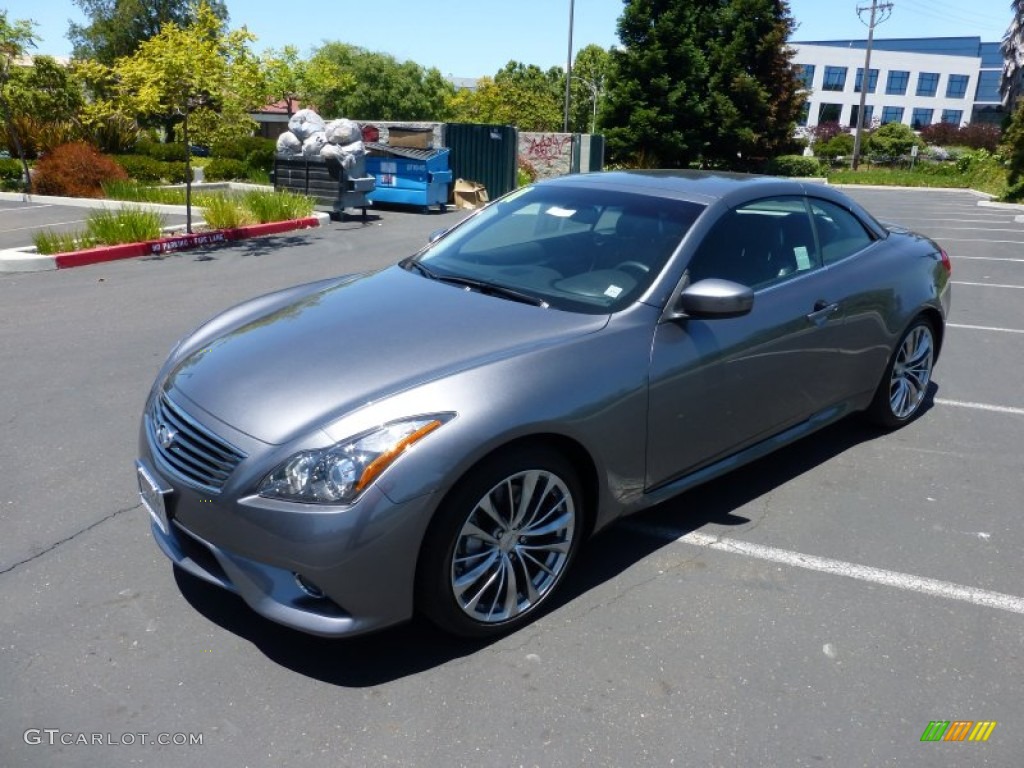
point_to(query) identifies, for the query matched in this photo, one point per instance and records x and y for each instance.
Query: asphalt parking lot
(819, 607)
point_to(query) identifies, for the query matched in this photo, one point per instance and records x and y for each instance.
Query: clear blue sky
(471, 38)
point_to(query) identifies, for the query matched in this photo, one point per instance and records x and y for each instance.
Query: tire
(490, 561)
(904, 387)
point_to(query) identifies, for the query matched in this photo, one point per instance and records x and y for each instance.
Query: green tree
(46, 90)
(1013, 147)
(195, 69)
(15, 39)
(589, 71)
(507, 103)
(286, 76)
(345, 80)
(116, 28)
(706, 82)
(1013, 56)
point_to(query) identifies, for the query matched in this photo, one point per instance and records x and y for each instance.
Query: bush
(224, 212)
(241, 148)
(222, 169)
(168, 153)
(980, 136)
(75, 170)
(148, 170)
(892, 140)
(827, 131)
(840, 145)
(261, 159)
(128, 225)
(116, 134)
(12, 175)
(794, 165)
(277, 206)
(941, 134)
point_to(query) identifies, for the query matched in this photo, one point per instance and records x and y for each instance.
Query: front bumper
(329, 571)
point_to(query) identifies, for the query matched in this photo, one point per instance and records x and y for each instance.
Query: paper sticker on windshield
(803, 259)
(613, 292)
(562, 213)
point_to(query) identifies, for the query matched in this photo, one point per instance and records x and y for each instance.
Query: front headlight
(337, 475)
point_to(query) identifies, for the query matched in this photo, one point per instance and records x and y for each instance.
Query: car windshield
(583, 250)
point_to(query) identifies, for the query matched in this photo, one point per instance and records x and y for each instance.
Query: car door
(718, 385)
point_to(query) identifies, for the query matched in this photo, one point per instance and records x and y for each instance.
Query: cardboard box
(469, 194)
(411, 138)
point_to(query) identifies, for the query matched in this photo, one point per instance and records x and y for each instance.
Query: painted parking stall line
(905, 581)
(988, 285)
(985, 258)
(984, 328)
(980, 406)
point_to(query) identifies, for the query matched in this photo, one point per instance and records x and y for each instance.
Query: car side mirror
(714, 298)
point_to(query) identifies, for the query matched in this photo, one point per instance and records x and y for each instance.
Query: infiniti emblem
(165, 436)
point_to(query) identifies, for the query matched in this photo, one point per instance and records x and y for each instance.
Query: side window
(758, 244)
(840, 233)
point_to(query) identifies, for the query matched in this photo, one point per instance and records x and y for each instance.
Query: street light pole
(568, 65)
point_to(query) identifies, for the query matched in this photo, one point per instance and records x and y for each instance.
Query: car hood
(280, 373)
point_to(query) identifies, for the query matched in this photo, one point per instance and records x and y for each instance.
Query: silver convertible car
(442, 435)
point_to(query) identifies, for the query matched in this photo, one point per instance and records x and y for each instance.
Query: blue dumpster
(406, 176)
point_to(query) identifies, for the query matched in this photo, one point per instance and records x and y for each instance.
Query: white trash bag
(311, 147)
(305, 123)
(288, 144)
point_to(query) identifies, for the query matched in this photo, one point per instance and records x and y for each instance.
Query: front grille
(192, 451)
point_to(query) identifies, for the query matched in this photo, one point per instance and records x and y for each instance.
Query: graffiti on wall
(550, 154)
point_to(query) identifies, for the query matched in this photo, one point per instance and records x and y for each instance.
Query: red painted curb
(178, 243)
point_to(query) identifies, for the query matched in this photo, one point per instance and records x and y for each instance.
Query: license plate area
(152, 496)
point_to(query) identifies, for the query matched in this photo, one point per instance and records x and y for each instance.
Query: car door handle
(823, 310)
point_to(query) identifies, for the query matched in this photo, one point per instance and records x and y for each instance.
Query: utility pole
(568, 66)
(879, 12)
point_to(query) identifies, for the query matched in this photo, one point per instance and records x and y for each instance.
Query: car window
(758, 244)
(840, 233)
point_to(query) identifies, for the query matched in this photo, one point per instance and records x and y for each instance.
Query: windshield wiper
(423, 269)
(491, 289)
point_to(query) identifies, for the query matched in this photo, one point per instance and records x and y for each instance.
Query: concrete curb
(27, 260)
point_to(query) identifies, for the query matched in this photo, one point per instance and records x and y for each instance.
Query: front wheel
(904, 386)
(501, 543)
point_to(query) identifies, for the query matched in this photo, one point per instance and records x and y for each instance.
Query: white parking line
(984, 328)
(44, 226)
(23, 208)
(984, 258)
(987, 285)
(909, 582)
(980, 406)
(979, 240)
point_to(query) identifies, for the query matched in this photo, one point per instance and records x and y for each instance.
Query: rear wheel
(904, 386)
(501, 543)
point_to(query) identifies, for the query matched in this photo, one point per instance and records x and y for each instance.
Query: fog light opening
(308, 586)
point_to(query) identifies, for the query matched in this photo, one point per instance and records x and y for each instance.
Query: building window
(855, 110)
(896, 85)
(892, 115)
(805, 112)
(805, 74)
(872, 80)
(835, 79)
(952, 116)
(921, 117)
(829, 113)
(956, 86)
(927, 83)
